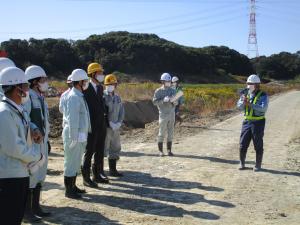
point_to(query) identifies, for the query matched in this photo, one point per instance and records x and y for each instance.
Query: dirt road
(200, 185)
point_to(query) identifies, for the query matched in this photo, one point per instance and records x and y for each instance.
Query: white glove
(112, 125)
(73, 143)
(118, 125)
(35, 166)
(82, 137)
(167, 99)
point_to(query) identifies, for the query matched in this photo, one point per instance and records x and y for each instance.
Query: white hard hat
(6, 62)
(12, 76)
(165, 77)
(33, 72)
(254, 79)
(78, 75)
(69, 79)
(175, 79)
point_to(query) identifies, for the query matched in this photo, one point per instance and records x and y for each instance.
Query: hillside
(146, 56)
(140, 55)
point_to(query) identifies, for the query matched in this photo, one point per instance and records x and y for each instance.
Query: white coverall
(166, 112)
(62, 104)
(77, 126)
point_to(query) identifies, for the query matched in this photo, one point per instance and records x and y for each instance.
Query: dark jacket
(96, 107)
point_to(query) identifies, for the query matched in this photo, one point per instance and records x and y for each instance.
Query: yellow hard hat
(110, 79)
(94, 67)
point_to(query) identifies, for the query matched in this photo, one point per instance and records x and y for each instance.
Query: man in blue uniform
(254, 102)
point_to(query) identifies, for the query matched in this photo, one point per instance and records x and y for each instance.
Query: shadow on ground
(52, 186)
(147, 207)
(75, 216)
(168, 196)
(146, 179)
(209, 158)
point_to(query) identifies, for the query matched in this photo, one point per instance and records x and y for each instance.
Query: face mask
(110, 88)
(85, 86)
(43, 87)
(167, 84)
(251, 87)
(100, 78)
(26, 98)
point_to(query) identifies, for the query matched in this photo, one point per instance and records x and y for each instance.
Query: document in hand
(177, 96)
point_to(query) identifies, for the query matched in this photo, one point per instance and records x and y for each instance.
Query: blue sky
(194, 23)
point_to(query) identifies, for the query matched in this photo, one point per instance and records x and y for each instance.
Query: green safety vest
(249, 113)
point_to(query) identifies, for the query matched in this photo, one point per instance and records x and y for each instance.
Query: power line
(203, 25)
(195, 19)
(159, 20)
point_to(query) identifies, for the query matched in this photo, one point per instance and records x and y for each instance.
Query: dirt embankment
(137, 115)
(141, 117)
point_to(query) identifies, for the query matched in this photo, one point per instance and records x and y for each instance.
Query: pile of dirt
(137, 115)
(55, 120)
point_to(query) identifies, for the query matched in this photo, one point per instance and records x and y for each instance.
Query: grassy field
(199, 98)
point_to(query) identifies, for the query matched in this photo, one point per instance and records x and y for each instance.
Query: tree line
(147, 56)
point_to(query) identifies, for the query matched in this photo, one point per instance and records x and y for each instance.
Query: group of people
(24, 142)
(92, 116)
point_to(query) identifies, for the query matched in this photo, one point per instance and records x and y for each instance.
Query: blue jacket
(115, 107)
(261, 106)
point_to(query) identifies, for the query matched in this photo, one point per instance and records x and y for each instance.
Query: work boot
(113, 168)
(87, 179)
(70, 192)
(258, 162)
(77, 190)
(160, 149)
(36, 207)
(242, 160)
(169, 148)
(97, 177)
(29, 216)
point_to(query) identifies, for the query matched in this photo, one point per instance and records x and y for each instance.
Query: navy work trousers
(252, 130)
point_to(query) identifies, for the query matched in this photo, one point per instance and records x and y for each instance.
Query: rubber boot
(86, 173)
(77, 190)
(97, 176)
(160, 148)
(242, 160)
(70, 192)
(257, 167)
(36, 207)
(113, 168)
(169, 148)
(29, 216)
